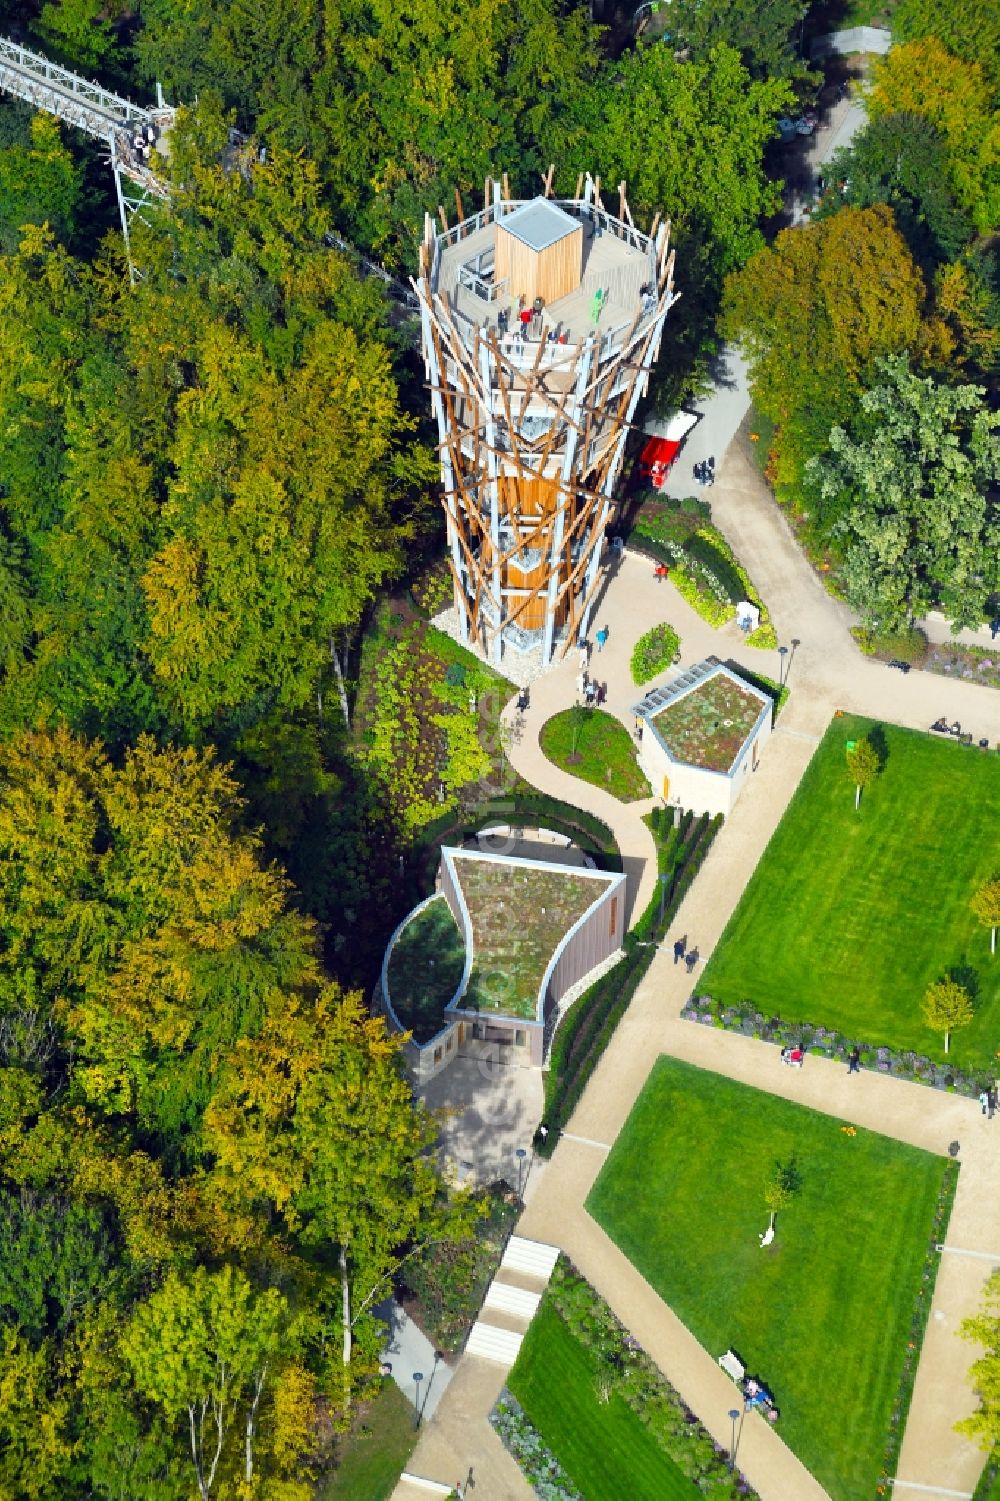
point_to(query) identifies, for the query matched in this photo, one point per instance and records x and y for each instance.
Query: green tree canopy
(986, 905)
(902, 160)
(863, 766)
(766, 35)
(947, 1005)
(39, 184)
(911, 477)
(813, 313)
(924, 78)
(984, 1424)
(710, 122)
(968, 28)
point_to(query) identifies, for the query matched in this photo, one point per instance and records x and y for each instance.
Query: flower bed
(825, 1042)
(526, 1446)
(576, 1338)
(921, 1312)
(654, 652)
(703, 567)
(971, 664)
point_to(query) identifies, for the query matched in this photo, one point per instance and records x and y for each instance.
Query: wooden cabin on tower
(541, 319)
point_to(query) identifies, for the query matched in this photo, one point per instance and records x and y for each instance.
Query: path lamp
(734, 1414)
(520, 1154)
(418, 1376)
(782, 654)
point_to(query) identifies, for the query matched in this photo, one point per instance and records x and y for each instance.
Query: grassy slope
(603, 1447)
(850, 916)
(823, 1315)
(605, 748)
(371, 1461)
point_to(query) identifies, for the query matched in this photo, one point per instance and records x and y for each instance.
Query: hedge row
(584, 1035)
(700, 548)
(586, 831)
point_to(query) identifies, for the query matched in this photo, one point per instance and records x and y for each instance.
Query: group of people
(704, 472)
(690, 956)
(590, 694)
(988, 1101)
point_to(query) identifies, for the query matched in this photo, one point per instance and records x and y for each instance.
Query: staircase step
(501, 1345)
(513, 1300)
(532, 1256)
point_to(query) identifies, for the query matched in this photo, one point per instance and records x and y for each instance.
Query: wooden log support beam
(527, 514)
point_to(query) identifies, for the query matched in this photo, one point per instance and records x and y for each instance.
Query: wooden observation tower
(540, 321)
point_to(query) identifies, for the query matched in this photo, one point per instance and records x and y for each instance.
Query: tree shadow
(965, 975)
(879, 744)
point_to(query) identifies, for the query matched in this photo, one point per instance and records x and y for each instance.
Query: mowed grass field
(603, 1446)
(850, 916)
(823, 1315)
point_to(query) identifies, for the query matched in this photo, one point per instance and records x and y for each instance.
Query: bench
(733, 1367)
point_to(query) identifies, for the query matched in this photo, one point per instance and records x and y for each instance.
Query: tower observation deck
(540, 322)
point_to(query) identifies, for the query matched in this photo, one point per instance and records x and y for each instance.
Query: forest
(213, 484)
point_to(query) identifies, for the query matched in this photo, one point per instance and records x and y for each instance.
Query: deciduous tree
(813, 313)
(316, 1118)
(986, 905)
(863, 766)
(984, 1329)
(924, 78)
(910, 479)
(947, 1005)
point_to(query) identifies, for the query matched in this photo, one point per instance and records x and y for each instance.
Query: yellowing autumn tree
(924, 78)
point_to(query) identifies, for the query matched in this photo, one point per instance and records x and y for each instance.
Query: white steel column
(493, 490)
(435, 377)
(614, 468)
(559, 520)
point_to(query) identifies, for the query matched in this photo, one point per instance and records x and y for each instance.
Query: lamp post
(782, 654)
(520, 1154)
(418, 1376)
(734, 1414)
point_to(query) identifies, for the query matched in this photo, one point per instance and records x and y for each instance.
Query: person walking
(691, 959)
(678, 950)
(602, 637)
(854, 1061)
(991, 1102)
(584, 656)
(602, 693)
(984, 1100)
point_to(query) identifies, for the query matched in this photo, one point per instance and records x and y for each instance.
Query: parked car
(900, 666)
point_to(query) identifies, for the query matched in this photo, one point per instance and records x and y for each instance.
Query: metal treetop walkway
(108, 117)
(130, 131)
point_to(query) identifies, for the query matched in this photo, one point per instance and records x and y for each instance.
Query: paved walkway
(825, 672)
(407, 1351)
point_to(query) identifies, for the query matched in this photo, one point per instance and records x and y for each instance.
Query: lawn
(822, 1315)
(850, 916)
(426, 968)
(597, 748)
(604, 1447)
(372, 1457)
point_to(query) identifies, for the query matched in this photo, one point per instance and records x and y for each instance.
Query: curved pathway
(826, 672)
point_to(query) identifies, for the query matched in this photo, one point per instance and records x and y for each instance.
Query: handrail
(115, 106)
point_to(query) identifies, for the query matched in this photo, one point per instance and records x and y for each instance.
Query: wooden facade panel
(549, 274)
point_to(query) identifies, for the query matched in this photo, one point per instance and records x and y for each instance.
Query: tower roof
(540, 223)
